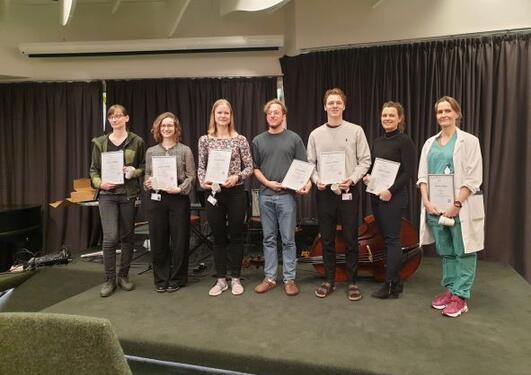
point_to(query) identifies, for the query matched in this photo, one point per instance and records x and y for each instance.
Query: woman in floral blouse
(226, 203)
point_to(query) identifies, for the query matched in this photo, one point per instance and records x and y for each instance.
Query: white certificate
(332, 167)
(441, 190)
(112, 167)
(164, 172)
(298, 175)
(383, 175)
(218, 166)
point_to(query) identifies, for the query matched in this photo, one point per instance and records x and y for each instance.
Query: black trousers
(169, 233)
(227, 218)
(388, 218)
(333, 210)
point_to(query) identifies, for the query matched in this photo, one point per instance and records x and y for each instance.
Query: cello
(371, 255)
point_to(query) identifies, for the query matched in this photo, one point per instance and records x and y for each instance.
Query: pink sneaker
(456, 307)
(442, 300)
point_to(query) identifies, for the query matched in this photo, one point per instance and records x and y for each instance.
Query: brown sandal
(324, 290)
(353, 293)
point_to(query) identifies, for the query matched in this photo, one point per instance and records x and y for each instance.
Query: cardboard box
(83, 192)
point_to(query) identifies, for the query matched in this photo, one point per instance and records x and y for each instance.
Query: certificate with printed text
(298, 175)
(332, 167)
(112, 167)
(218, 165)
(441, 190)
(383, 175)
(164, 172)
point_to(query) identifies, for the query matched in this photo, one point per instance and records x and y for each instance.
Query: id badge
(213, 201)
(346, 196)
(155, 197)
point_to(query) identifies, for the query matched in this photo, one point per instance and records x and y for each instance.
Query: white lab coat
(468, 168)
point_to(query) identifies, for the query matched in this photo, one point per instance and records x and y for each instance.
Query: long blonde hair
(212, 127)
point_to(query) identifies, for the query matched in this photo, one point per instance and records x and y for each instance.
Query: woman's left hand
(231, 181)
(345, 185)
(385, 195)
(451, 211)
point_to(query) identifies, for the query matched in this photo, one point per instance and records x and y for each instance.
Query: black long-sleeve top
(396, 146)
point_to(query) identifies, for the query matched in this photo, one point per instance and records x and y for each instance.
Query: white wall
(306, 24)
(353, 22)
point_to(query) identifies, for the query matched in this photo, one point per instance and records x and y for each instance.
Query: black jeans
(227, 217)
(117, 214)
(388, 218)
(333, 210)
(169, 234)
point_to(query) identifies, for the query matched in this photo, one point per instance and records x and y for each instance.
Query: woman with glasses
(168, 206)
(117, 200)
(226, 203)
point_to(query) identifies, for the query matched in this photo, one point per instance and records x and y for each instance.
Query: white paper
(383, 175)
(164, 172)
(298, 175)
(332, 167)
(441, 190)
(112, 167)
(218, 166)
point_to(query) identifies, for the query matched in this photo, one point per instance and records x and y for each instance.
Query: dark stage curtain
(191, 100)
(490, 76)
(45, 132)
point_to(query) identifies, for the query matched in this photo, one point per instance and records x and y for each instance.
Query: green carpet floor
(276, 334)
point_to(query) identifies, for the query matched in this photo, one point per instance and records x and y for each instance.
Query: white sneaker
(220, 287)
(237, 287)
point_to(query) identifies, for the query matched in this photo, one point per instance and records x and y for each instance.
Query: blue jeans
(279, 212)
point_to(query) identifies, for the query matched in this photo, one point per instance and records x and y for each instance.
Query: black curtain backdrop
(191, 100)
(45, 132)
(490, 76)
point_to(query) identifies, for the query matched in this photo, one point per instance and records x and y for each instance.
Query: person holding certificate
(230, 155)
(273, 153)
(451, 166)
(113, 156)
(170, 176)
(340, 153)
(393, 154)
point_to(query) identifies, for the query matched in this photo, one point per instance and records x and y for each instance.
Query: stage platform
(275, 334)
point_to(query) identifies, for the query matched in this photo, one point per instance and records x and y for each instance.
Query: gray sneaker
(108, 288)
(125, 284)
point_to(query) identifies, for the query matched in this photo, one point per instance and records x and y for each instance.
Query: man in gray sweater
(337, 203)
(273, 152)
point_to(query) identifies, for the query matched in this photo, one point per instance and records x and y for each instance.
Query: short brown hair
(117, 107)
(335, 91)
(155, 130)
(275, 101)
(399, 110)
(453, 103)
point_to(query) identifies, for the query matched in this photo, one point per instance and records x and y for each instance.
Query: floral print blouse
(241, 163)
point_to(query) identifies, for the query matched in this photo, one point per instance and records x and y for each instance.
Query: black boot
(388, 289)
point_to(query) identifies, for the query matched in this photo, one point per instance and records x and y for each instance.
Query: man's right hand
(274, 185)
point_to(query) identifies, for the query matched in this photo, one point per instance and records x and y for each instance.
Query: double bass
(371, 255)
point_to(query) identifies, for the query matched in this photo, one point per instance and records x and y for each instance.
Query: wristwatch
(458, 204)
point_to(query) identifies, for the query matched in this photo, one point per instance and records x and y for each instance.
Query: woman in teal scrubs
(457, 153)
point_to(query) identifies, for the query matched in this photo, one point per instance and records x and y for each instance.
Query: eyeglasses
(116, 116)
(274, 113)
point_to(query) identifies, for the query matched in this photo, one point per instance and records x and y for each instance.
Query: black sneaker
(172, 288)
(160, 289)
